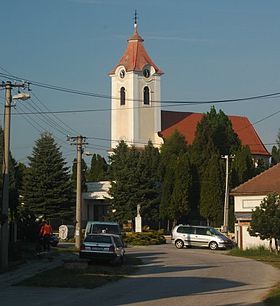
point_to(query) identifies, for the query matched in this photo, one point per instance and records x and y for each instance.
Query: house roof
(135, 57)
(262, 184)
(186, 123)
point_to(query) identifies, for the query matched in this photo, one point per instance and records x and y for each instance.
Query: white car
(103, 246)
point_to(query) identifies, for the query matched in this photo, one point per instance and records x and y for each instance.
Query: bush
(144, 238)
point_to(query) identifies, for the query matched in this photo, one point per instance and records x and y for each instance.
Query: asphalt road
(168, 277)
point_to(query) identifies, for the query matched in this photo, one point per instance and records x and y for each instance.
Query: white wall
(247, 203)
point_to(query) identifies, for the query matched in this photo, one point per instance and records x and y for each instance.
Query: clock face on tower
(122, 74)
(146, 73)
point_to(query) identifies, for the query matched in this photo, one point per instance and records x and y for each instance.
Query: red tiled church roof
(186, 124)
(262, 184)
(135, 57)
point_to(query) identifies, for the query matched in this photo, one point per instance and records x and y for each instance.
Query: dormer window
(122, 96)
(146, 95)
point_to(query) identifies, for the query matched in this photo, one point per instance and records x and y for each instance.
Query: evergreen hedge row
(144, 238)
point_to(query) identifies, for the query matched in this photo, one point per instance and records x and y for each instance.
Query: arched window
(122, 96)
(146, 95)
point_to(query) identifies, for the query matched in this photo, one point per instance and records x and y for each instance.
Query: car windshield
(215, 232)
(98, 239)
(106, 228)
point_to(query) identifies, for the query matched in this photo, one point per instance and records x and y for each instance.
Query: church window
(122, 96)
(146, 95)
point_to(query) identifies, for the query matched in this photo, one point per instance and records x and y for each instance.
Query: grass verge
(95, 275)
(261, 254)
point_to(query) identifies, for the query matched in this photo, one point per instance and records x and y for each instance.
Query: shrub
(144, 238)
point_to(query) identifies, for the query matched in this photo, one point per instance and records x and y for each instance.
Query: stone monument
(138, 220)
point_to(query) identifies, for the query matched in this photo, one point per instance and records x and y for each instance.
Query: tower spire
(135, 21)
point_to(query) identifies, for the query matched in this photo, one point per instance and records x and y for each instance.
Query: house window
(146, 95)
(122, 96)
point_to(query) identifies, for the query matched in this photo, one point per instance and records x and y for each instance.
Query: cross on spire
(135, 20)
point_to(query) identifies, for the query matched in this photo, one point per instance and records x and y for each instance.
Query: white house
(249, 195)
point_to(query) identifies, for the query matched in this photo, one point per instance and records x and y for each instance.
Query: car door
(186, 233)
(119, 246)
(202, 236)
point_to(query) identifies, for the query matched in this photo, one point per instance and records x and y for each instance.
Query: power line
(96, 95)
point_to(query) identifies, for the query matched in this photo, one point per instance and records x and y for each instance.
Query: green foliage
(144, 238)
(98, 170)
(212, 192)
(125, 183)
(251, 252)
(47, 186)
(134, 180)
(214, 138)
(275, 153)
(149, 188)
(176, 176)
(242, 167)
(83, 175)
(266, 219)
(214, 134)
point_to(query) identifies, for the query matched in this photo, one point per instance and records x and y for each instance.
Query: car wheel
(179, 244)
(213, 245)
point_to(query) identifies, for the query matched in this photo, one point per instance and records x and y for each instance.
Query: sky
(209, 50)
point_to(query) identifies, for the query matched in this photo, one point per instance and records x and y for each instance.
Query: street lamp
(5, 168)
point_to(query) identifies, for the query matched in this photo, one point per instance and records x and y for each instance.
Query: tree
(176, 177)
(149, 184)
(47, 186)
(135, 180)
(212, 192)
(214, 134)
(83, 175)
(275, 153)
(214, 138)
(124, 178)
(98, 170)
(266, 220)
(242, 167)
(181, 195)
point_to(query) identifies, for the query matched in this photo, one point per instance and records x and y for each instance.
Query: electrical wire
(96, 95)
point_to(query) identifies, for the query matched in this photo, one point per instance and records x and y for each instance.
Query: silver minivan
(202, 236)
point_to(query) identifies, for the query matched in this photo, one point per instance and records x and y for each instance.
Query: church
(136, 115)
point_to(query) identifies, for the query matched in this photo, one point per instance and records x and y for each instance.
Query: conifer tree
(47, 186)
(275, 153)
(98, 170)
(124, 183)
(212, 192)
(242, 168)
(176, 176)
(181, 195)
(149, 184)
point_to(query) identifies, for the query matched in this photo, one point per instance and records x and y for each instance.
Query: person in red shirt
(45, 233)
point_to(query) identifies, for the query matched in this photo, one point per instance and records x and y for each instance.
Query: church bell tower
(135, 105)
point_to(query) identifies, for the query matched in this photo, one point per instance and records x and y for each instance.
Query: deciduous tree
(266, 220)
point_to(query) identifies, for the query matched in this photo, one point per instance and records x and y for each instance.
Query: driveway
(168, 277)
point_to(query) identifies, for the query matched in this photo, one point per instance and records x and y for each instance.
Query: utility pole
(79, 141)
(5, 169)
(226, 203)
